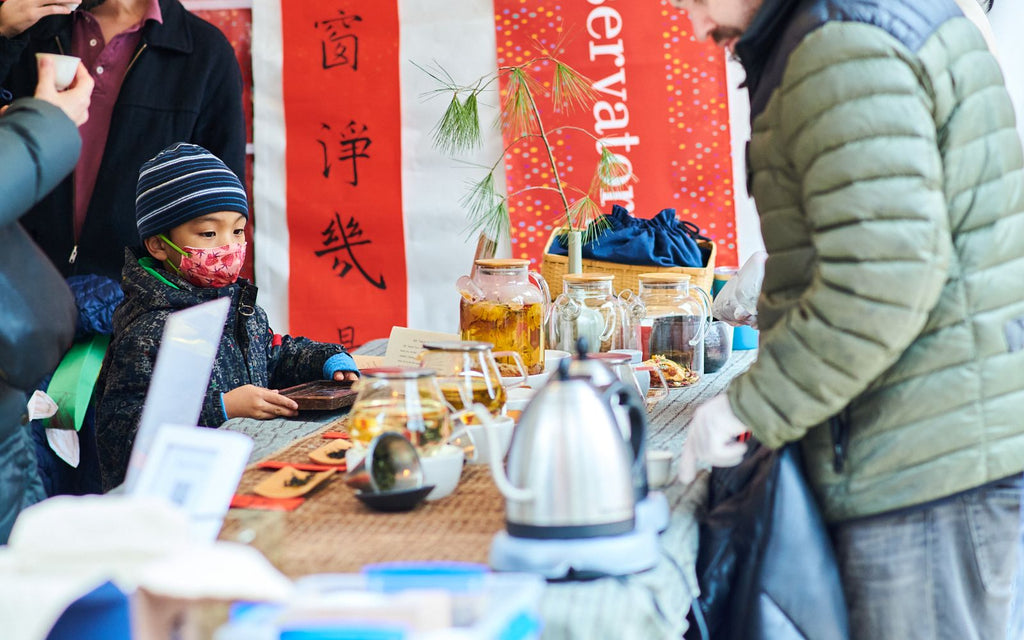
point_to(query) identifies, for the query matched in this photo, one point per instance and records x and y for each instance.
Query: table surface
(652, 604)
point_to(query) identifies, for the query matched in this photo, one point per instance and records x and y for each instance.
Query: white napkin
(41, 406)
(65, 444)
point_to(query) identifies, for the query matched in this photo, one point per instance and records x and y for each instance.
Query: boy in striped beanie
(191, 212)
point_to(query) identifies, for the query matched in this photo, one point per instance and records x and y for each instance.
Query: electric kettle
(569, 469)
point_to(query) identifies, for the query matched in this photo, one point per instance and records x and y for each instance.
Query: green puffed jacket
(886, 169)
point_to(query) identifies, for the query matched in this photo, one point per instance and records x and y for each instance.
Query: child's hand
(250, 401)
(345, 375)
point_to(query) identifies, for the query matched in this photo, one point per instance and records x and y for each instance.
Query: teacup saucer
(393, 501)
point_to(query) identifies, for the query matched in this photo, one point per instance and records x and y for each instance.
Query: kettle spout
(509, 490)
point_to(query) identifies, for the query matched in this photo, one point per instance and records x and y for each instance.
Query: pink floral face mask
(210, 268)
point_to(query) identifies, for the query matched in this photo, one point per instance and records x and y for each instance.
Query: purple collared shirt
(108, 63)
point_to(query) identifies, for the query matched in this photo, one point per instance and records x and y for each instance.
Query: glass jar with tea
(506, 304)
(589, 309)
(677, 317)
(467, 373)
(405, 400)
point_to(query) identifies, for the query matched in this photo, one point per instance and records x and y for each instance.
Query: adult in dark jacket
(163, 76)
(191, 216)
(887, 173)
(39, 144)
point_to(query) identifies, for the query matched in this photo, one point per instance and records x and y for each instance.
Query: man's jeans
(942, 570)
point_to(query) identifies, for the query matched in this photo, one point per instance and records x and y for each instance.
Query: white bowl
(442, 467)
(551, 359)
(474, 441)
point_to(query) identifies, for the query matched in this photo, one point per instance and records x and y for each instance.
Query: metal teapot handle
(637, 433)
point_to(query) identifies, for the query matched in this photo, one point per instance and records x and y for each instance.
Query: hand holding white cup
(64, 68)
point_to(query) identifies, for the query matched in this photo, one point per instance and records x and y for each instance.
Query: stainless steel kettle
(569, 469)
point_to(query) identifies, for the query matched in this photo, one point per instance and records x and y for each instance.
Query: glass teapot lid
(458, 345)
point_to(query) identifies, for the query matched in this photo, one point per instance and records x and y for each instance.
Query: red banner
(344, 198)
(662, 107)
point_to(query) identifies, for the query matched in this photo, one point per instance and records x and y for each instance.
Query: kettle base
(569, 532)
(579, 558)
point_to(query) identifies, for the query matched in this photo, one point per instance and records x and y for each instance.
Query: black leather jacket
(184, 85)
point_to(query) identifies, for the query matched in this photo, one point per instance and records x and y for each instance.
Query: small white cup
(64, 67)
(474, 435)
(517, 399)
(442, 467)
(659, 468)
(635, 355)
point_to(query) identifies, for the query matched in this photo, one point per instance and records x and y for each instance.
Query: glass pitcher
(677, 317)
(588, 309)
(501, 305)
(405, 400)
(467, 373)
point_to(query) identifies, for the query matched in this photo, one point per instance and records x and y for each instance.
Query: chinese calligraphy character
(347, 336)
(339, 237)
(339, 48)
(352, 145)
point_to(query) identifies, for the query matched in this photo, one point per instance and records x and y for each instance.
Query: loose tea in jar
(404, 400)
(501, 305)
(677, 318)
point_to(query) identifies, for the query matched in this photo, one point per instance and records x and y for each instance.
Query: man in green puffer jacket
(887, 174)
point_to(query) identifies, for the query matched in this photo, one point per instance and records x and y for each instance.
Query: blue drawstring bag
(662, 241)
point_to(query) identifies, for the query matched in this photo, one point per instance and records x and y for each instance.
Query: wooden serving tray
(322, 395)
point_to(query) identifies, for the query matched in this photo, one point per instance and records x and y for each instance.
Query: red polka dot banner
(662, 107)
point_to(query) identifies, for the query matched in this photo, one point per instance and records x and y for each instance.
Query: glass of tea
(405, 400)
(467, 373)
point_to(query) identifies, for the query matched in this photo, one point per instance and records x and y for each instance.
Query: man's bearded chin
(723, 34)
(90, 4)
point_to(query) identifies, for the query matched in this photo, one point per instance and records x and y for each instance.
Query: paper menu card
(405, 345)
(181, 375)
(196, 469)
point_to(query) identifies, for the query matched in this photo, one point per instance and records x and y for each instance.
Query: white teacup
(472, 439)
(659, 468)
(442, 467)
(517, 399)
(64, 68)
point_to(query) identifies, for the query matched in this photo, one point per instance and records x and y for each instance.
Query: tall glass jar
(588, 308)
(406, 400)
(506, 304)
(677, 317)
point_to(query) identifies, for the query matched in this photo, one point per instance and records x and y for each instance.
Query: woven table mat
(334, 532)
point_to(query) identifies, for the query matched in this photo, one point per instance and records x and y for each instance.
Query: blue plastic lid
(351, 631)
(397, 576)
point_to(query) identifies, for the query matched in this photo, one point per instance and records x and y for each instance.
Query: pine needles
(520, 117)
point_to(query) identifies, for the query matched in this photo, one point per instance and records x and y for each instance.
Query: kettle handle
(637, 431)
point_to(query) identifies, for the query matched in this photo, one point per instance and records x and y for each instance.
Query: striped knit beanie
(183, 182)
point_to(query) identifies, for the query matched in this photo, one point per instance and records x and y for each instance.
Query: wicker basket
(554, 267)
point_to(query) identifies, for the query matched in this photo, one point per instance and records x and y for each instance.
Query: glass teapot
(467, 373)
(677, 317)
(405, 400)
(587, 308)
(505, 304)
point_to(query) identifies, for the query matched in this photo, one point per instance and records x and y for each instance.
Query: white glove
(714, 439)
